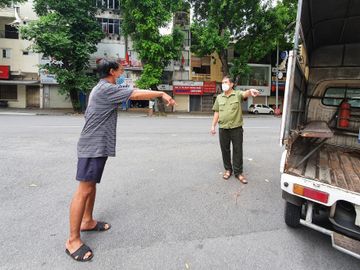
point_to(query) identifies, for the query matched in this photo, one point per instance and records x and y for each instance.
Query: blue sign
(283, 55)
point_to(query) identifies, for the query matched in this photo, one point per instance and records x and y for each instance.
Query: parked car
(260, 108)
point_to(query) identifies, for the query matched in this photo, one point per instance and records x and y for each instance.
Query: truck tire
(292, 215)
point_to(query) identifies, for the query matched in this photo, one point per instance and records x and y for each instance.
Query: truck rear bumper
(340, 242)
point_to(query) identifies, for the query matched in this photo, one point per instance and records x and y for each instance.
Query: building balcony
(7, 13)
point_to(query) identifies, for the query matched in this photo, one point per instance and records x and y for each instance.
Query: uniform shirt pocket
(221, 106)
(234, 105)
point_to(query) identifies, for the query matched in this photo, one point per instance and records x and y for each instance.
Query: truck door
(294, 109)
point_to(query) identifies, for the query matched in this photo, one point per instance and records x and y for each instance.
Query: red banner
(5, 72)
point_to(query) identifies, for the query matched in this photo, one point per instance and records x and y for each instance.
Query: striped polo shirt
(98, 137)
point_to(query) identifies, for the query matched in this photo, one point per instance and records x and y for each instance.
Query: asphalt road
(163, 194)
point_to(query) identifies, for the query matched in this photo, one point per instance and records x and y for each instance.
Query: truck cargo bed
(333, 165)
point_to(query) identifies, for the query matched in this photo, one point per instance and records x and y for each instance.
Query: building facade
(19, 79)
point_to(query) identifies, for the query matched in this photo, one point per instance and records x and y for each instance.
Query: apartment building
(19, 79)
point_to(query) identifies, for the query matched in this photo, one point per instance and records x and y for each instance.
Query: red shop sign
(187, 90)
(4, 72)
(209, 87)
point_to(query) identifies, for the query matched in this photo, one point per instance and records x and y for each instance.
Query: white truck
(320, 167)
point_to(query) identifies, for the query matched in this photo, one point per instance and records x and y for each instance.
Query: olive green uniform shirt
(229, 108)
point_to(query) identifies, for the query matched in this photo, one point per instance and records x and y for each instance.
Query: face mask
(121, 79)
(225, 87)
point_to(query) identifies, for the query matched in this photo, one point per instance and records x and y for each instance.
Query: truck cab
(320, 166)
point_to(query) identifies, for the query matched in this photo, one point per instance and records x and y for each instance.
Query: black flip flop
(99, 227)
(80, 253)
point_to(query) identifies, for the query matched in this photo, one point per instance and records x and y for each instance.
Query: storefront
(259, 78)
(49, 93)
(18, 93)
(192, 96)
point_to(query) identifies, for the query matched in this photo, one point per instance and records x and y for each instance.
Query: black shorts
(90, 169)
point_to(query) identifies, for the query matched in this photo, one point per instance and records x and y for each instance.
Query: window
(6, 53)
(258, 76)
(108, 4)
(334, 96)
(8, 92)
(11, 32)
(110, 26)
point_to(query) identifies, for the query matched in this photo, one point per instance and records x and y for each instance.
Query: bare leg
(87, 221)
(77, 209)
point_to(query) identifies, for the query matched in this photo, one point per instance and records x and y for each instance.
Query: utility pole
(277, 76)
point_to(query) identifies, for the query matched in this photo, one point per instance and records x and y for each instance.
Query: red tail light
(311, 193)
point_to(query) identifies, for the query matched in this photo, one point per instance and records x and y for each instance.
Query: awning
(12, 82)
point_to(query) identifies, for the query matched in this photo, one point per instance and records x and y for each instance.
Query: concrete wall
(58, 101)
(17, 61)
(21, 98)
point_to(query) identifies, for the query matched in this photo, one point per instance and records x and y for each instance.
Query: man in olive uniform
(228, 113)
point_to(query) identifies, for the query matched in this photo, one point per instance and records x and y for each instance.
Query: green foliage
(67, 32)
(253, 27)
(142, 20)
(9, 3)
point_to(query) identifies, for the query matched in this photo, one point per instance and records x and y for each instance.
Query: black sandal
(99, 227)
(80, 253)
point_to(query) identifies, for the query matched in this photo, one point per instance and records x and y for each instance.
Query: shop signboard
(5, 72)
(164, 87)
(209, 87)
(187, 88)
(263, 91)
(46, 78)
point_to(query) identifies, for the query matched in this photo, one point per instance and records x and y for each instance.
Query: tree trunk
(223, 59)
(74, 97)
(160, 102)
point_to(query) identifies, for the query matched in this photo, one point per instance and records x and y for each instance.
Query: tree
(67, 32)
(142, 21)
(9, 3)
(251, 26)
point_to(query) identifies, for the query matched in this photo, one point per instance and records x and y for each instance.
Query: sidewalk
(30, 111)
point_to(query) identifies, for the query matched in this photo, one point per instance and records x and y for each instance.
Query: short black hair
(104, 66)
(229, 77)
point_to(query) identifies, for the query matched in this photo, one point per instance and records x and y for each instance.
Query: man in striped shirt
(97, 142)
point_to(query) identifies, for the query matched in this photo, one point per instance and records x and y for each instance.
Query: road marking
(257, 127)
(15, 113)
(58, 126)
(194, 117)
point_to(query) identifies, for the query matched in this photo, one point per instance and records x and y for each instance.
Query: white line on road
(57, 126)
(15, 113)
(257, 127)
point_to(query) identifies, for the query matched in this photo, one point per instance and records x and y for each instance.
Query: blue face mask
(120, 80)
